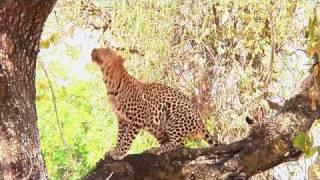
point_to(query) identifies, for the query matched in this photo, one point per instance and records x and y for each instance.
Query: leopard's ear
(121, 58)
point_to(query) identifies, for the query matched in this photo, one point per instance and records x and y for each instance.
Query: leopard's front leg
(127, 133)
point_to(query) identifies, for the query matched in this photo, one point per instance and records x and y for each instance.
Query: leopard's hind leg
(173, 141)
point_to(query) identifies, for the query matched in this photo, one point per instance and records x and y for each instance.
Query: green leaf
(308, 142)
(44, 44)
(315, 19)
(304, 142)
(54, 38)
(311, 152)
(299, 140)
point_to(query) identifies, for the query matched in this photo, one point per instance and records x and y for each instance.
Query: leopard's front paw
(117, 155)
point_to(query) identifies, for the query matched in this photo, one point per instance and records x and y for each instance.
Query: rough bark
(21, 24)
(268, 144)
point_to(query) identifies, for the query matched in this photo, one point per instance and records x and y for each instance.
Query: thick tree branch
(268, 144)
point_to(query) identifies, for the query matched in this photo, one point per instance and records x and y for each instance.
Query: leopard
(163, 111)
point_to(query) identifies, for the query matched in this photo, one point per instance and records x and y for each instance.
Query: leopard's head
(110, 63)
(103, 56)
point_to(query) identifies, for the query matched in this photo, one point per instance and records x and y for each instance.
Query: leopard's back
(171, 109)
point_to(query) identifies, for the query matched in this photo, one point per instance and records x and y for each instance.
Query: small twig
(215, 14)
(54, 100)
(56, 17)
(295, 52)
(55, 106)
(273, 44)
(208, 50)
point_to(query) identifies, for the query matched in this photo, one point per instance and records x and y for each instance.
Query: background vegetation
(230, 57)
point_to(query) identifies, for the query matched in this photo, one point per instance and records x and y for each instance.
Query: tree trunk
(21, 24)
(269, 143)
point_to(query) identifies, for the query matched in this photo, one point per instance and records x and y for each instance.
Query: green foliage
(82, 127)
(147, 29)
(313, 35)
(54, 38)
(304, 142)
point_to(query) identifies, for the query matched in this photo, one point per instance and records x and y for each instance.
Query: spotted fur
(163, 111)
